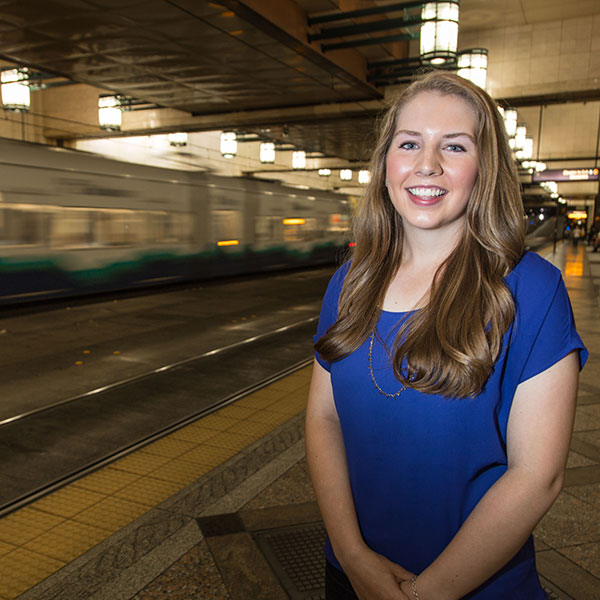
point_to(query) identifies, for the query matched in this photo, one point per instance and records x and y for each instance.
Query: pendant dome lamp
(109, 112)
(439, 33)
(472, 65)
(15, 89)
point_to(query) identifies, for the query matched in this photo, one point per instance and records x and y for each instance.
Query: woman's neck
(423, 252)
(428, 249)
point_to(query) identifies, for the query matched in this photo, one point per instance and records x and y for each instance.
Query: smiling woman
(442, 400)
(439, 229)
(432, 162)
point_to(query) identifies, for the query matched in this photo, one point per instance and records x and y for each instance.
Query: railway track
(46, 448)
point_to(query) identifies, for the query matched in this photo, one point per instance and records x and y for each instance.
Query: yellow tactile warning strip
(41, 538)
(574, 263)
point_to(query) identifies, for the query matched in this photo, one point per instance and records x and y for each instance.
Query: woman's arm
(538, 438)
(373, 576)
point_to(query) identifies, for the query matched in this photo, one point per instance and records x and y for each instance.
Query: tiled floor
(40, 539)
(140, 529)
(570, 532)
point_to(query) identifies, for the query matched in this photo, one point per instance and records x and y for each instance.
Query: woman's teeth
(430, 192)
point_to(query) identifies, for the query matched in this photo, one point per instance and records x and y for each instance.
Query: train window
(115, 227)
(70, 228)
(299, 229)
(338, 222)
(267, 228)
(227, 224)
(75, 227)
(181, 227)
(310, 229)
(161, 227)
(292, 230)
(22, 225)
(157, 226)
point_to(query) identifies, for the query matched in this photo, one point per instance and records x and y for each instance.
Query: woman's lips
(426, 195)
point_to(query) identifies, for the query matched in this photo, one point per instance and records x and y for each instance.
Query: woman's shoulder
(337, 279)
(533, 271)
(334, 287)
(533, 280)
(329, 306)
(343, 269)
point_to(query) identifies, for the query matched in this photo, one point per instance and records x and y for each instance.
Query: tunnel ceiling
(230, 58)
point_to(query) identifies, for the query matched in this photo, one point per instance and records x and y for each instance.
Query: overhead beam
(282, 22)
(552, 98)
(168, 119)
(363, 12)
(359, 28)
(392, 62)
(370, 41)
(59, 106)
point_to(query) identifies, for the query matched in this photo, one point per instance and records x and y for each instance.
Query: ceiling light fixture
(178, 138)
(15, 89)
(472, 65)
(267, 152)
(520, 136)
(510, 121)
(439, 33)
(228, 144)
(109, 112)
(526, 152)
(299, 159)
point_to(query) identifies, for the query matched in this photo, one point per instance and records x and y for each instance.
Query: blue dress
(419, 463)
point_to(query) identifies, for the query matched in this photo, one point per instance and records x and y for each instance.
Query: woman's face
(431, 164)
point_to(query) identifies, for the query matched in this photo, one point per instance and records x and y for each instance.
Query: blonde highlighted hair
(451, 344)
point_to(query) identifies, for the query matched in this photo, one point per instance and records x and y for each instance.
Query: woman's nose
(428, 163)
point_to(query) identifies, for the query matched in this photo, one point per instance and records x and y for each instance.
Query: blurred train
(74, 223)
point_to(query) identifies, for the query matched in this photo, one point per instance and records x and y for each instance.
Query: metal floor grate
(296, 557)
(553, 592)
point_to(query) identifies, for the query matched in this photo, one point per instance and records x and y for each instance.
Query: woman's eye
(408, 145)
(455, 148)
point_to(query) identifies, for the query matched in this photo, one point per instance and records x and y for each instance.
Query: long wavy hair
(450, 345)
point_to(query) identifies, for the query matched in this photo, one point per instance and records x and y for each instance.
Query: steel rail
(162, 369)
(58, 483)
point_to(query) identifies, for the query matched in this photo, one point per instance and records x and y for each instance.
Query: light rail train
(74, 223)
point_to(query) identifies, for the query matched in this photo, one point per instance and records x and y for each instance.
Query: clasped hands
(374, 577)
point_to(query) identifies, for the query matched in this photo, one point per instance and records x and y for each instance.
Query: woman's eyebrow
(460, 134)
(407, 132)
(446, 136)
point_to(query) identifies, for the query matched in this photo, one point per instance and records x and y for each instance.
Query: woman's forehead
(431, 108)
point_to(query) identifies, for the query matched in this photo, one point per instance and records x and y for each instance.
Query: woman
(443, 391)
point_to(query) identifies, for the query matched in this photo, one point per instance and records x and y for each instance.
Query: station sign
(579, 174)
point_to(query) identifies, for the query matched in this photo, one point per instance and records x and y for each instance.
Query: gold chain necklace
(386, 394)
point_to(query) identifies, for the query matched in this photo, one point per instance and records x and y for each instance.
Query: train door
(227, 230)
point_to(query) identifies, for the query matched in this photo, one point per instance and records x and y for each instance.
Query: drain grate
(553, 592)
(296, 556)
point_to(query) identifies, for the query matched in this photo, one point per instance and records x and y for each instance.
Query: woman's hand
(374, 577)
(406, 587)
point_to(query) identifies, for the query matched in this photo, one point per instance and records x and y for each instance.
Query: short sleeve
(329, 309)
(545, 326)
